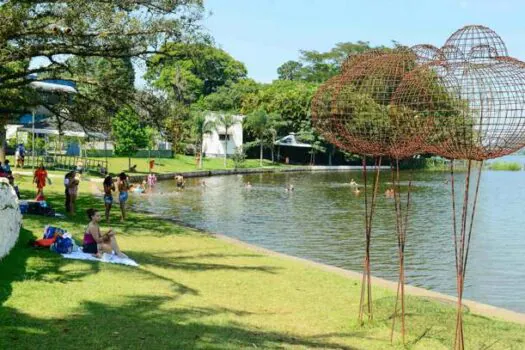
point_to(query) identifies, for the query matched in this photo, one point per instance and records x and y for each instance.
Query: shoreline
(244, 171)
(472, 306)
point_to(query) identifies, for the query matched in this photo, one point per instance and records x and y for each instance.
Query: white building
(216, 144)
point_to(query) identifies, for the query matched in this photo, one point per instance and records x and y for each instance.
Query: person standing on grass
(39, 179)
(109, 188)
(123, 187)
(67, 179)
(74, 181)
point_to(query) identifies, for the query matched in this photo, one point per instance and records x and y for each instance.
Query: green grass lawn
(179, 163)
(194, 291)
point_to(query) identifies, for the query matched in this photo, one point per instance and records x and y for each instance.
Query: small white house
(216, 144)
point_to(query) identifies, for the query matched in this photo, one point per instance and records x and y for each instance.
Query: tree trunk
(129, 163)
(201, 154)
(260, 153)
(3, 137)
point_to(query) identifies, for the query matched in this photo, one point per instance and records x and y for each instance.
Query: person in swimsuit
(179, 179)
(95, 242)
(109, 187)
(39, 179)
(74, 181)
(152, 181)
(123, 187)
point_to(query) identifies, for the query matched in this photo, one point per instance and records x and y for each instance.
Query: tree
(265, 127)
(188, 72)
(55, 31)
(290, 70)
(201, 125)
(227, 121)
(229, 97)
(129, 133)
(315, 66)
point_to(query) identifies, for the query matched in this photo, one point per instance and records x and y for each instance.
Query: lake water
(322, 220)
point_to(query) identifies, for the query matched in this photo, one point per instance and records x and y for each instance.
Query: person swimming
(289, 188)
(248, 185)
(179, 179)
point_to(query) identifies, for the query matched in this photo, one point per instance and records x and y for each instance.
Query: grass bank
(502, 165)
(180, 163)
(194, 291)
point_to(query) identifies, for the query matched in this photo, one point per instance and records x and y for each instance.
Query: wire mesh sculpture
(472, 100)
(354, 112)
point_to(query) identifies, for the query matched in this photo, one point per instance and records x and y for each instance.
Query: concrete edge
(207, 173)
(474, 306)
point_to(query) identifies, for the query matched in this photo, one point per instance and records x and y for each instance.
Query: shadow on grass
(181, 263)
(144, 322)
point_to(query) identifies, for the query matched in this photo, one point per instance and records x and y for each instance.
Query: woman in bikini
(123, 188)
(109, 187)
(95, 242)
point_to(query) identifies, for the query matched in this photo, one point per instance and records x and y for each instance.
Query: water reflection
(322, 220)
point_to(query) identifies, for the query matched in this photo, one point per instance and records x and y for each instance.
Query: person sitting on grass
(95, 242)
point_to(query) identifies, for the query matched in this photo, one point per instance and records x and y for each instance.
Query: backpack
(62, 245)
(50, 232)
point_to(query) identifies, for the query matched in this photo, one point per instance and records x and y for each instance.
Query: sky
(263, 34)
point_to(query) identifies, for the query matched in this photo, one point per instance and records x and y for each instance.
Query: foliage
(502, 165)
(315, 66)
(188, 72)
(227, 121)
(129, 133)
(264, 126)
(239, 158)
(202, 125)
(229, 97)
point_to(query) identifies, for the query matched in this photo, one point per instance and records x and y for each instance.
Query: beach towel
(106, 258)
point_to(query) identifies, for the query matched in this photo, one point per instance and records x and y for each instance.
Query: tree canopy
(188, 72)
(315, 66)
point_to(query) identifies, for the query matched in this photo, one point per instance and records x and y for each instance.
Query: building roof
(291, 141)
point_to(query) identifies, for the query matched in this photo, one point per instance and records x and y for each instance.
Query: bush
(239, 158)
(502, 165)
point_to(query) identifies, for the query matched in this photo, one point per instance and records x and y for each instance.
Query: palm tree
(227, 121)
(202, 126)
(258, 122)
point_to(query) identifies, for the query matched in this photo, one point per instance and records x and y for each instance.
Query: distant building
(216, 144)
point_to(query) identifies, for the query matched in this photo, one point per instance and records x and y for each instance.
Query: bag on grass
(51, 232)
(62, 245)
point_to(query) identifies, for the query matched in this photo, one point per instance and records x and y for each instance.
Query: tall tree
(265, 127)
(190, 71)
(315, 66)
(290, 70)
(227, 121)
(230, 97)
(129, 133)
(201, 126)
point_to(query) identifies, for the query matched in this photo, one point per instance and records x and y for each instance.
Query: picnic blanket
(106, 258)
